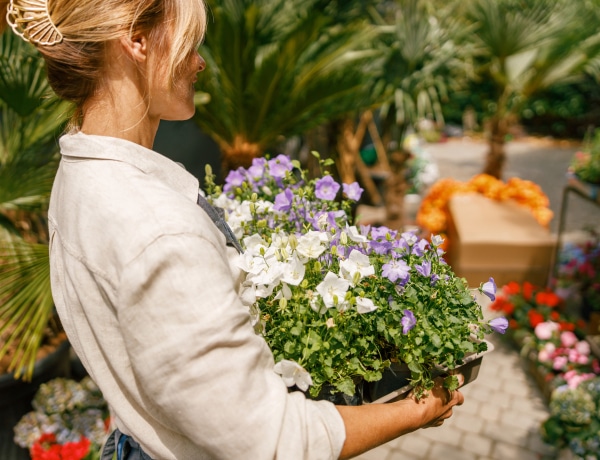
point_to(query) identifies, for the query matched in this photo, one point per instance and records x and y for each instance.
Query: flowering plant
(337, 303)
(579, 270)
(563, 353)
(434, 214)
(527, 305)
(69, 421)
(574, 420)
(585, 164)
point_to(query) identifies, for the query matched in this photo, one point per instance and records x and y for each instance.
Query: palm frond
(25, 302)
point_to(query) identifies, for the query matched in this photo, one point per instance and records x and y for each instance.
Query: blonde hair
(75, 62)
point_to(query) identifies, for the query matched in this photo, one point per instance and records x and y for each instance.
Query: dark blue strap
(217, 215)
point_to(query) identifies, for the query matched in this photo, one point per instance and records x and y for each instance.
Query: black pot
(394, 383)
(16, 396)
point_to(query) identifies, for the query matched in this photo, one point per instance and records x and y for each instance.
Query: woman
(142, 278)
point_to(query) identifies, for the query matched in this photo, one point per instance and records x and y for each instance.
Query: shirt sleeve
(201, 369)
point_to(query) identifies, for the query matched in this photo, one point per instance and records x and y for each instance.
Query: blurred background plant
(586, 162)
(30, 119)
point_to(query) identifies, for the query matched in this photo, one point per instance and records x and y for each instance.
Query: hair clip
(31, 21)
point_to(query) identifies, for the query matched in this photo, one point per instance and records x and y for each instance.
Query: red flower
(535, 318)
(564, 326)
(554, 315)
(45, 448)
(511, 288)
(528, 290)
(549, 299)
(513, 324)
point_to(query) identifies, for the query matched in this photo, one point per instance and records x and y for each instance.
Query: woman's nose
(201, 64)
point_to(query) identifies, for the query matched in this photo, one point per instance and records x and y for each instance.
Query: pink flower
(568, 339)
(583, 347)
(547, 352)
(544, 331)
(559, 363)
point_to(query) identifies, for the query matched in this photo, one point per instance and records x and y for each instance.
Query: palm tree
(525, 46)
(277, 68)
(423, 63)
(29, 122)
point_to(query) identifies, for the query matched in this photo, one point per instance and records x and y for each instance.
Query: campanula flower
(489, 289)
(353, 191)
(293, 374)
(395, 270)
(408, 321)
(326, 188)
(499, 325)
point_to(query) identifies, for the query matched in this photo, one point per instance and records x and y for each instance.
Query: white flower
(355, 235)
(357, 262)
(293, 374)
(293, 272)
(253, 244)
(364, 305)
(311, 245)
(333, 290)
(251, 264)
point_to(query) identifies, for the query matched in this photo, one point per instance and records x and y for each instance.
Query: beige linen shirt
(147, 292)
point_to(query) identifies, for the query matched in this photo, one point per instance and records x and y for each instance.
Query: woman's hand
(371, 425)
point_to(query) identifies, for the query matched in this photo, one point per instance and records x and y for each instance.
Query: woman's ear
(136, 47)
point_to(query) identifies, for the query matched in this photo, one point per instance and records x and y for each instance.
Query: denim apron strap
(217, 215)
(119, 446)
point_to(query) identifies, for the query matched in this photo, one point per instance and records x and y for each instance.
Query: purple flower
(353, 191)
(419, 248)
(279, 165)
(395, 269)
(284, 200)
(489, 289)
(257, 170)
(408, 321)
(424, 268)
(381, 247)
(326, 188)
(499, 325)
(234, 179)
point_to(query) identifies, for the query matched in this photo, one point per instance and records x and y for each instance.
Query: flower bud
(254, 197)
(283, 303)
(334, 250)
(293, 241)
(344, 238)
(317, 265)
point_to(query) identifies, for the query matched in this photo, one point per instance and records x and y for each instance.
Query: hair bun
(31, 20)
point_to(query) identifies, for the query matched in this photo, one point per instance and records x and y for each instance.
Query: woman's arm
(371, 425)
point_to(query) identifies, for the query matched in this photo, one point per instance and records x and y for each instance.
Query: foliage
(525, 47)
(30, 118)
(586, 162)
(423, 61)
(280, 68)
(336, 303)
(69, 421)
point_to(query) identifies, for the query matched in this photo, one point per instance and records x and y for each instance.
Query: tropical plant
(277, 69)
(29, 121)
(525, 46)
(423, 63)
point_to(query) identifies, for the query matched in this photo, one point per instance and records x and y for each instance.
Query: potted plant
(338, 304)
(70, 420)
(574, 421)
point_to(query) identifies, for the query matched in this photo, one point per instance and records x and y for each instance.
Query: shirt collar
(87, 146)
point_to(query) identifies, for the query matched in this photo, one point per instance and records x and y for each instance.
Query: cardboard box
(500, 239)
